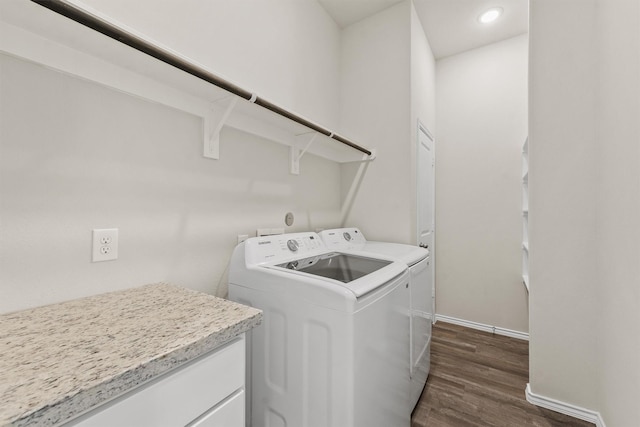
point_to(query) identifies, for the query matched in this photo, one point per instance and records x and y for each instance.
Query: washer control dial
(292, 245)
(346, 236)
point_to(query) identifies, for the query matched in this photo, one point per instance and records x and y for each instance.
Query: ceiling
(450, 25)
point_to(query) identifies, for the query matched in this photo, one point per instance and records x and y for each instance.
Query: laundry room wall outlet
(105, 244)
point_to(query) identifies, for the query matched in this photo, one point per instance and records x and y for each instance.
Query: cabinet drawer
(178, 397)
(229, 413)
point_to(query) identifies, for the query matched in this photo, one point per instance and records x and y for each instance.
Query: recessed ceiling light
(490, 15)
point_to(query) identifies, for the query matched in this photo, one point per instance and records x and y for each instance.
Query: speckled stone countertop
(59, 360)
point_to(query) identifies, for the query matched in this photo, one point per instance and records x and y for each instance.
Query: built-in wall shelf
(525, 214)
(114, 55)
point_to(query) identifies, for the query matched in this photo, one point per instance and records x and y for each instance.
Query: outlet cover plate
(105, 244)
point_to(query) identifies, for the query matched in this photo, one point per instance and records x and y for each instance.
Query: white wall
(584, 205)
(618, 136)
(77, 156)
(383, 91)
(562, 182)
(284, 50)
(423, 100)
(482, 125)
(375, 105)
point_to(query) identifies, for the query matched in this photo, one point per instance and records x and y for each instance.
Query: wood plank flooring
(479, 379)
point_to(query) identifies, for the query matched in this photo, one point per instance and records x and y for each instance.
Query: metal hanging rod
(109, 30)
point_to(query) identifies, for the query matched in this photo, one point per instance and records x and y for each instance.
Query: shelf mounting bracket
(212, 128)
(295, 154)
(371, 157)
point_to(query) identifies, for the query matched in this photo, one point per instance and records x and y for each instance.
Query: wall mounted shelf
(82, 42)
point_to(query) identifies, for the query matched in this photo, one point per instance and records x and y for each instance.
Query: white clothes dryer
(333, 348)
(421, 283)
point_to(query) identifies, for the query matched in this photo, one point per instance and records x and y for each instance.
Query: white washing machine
(333, 348)
(421, 282)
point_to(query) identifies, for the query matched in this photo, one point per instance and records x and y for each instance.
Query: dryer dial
(346, 236)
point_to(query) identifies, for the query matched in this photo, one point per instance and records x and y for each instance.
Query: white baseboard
(564, 408)
(483, 327)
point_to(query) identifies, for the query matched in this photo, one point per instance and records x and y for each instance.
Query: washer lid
(337, 266)
(408, 254)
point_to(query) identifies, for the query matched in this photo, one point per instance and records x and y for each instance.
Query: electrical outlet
(105, 244)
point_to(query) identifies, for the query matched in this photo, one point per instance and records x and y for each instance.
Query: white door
(426, 187)
(426, 198)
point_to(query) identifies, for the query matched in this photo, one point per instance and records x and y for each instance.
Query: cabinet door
(178, 397)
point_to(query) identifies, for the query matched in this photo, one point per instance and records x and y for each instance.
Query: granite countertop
(59, 360)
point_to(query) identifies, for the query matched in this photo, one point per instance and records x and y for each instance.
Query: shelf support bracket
(366, 158)
(371, 157)
(212, 130)
(295, 154)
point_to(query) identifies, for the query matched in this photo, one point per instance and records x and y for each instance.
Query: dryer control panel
(282, 247)
(343, 238)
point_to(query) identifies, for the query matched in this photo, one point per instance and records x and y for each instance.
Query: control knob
(292, 245)
(346, 236)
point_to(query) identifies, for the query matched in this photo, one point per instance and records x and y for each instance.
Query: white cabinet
(525, 214)
(209, 391)
(228, 413)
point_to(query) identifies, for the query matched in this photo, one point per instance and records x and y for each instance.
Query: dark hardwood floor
(479, 379)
